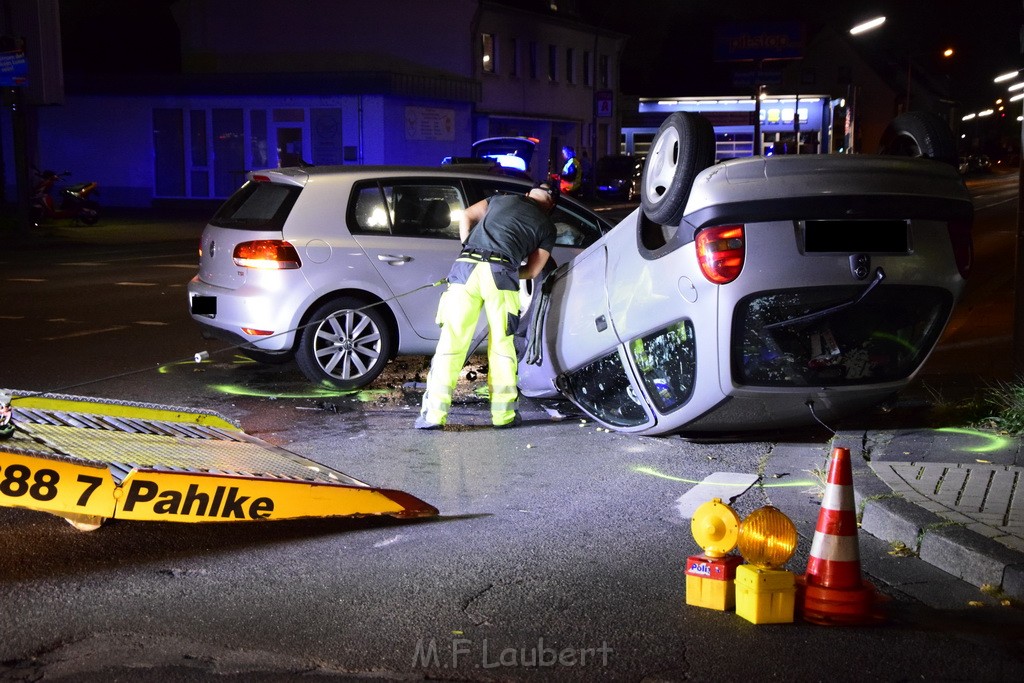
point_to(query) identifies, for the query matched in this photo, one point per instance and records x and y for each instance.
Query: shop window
(553, 63)
(258, 138)
(228, 151)
(325, 130)
(169, 152)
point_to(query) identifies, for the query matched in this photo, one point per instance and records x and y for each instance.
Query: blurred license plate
(861, 236)
(204, 305)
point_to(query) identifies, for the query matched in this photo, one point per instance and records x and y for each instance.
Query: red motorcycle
(75, 201)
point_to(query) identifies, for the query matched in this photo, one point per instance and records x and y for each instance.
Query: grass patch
(1004, 403)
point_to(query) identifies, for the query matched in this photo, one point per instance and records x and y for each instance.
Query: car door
(409, 230)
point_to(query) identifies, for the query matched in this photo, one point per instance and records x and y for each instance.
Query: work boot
(421, 423)
(516, 421)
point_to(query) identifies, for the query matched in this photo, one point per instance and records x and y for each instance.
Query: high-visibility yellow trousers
(472, 286)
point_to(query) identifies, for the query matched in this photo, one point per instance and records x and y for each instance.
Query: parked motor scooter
(75, 201)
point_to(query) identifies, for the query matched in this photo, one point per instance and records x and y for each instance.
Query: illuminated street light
(867, 26)
(1006, 77)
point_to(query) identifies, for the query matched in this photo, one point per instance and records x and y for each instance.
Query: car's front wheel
(346, 344)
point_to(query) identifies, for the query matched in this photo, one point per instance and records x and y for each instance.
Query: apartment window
(604, 77)
(487, 48)
(553, 63)
(513, 56)
(570, 65)
(533, 61)
(588, 69)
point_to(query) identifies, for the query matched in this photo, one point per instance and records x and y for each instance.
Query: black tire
(90, 214)
(919, 134)
(346, 345)
(266, 357)
(683, 147)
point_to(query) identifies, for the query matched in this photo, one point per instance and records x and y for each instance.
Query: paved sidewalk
(954, 496)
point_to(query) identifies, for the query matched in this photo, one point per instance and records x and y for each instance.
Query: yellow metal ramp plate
(89, 460)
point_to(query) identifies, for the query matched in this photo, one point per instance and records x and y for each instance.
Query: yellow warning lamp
(715, 526)
(767, 538)
(765, 593)
(710, 577)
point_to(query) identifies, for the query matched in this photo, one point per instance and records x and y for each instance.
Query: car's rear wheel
(683, 147)
(346, 345)
(919, 134)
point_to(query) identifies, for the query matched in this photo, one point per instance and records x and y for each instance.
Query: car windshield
(509, 152)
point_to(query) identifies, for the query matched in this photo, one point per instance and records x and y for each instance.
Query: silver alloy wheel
(662, 166)
(347, 345)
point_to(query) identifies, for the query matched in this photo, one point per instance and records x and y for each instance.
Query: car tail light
(257, 333)
(267, 255)
(963, 246)
(720, 252)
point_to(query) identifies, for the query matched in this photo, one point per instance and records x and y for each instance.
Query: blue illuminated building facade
(396, 82)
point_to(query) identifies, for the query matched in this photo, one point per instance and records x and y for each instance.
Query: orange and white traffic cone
(833, 591)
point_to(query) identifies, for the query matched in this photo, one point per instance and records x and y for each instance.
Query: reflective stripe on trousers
(486, 286)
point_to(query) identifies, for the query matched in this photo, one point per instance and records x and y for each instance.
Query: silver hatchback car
(334, 266)
(760, 292)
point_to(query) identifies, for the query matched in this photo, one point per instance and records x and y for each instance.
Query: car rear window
(257, 206)
(809, 337)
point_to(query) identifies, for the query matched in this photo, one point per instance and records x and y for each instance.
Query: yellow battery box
(765, 596)
(710, 581)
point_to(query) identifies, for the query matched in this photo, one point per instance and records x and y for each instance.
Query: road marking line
(85, 333)
(136, 284)
(26, 279)
(150, 322)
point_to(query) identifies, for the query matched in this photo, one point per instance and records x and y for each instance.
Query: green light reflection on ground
(642, 469)
(991, 442)
(316, 392)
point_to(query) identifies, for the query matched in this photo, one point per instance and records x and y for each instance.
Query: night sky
(669, 46)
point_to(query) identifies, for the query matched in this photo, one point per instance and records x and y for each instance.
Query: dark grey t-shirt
(514, 226)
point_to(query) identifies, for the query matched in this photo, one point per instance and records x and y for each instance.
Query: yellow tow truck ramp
(90, 460)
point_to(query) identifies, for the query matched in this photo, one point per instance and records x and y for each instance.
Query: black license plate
(204, 305)
(856, 237)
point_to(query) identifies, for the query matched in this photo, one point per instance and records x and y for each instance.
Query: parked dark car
(618, 177)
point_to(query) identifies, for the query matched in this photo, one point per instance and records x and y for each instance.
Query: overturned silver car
(760, 292)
